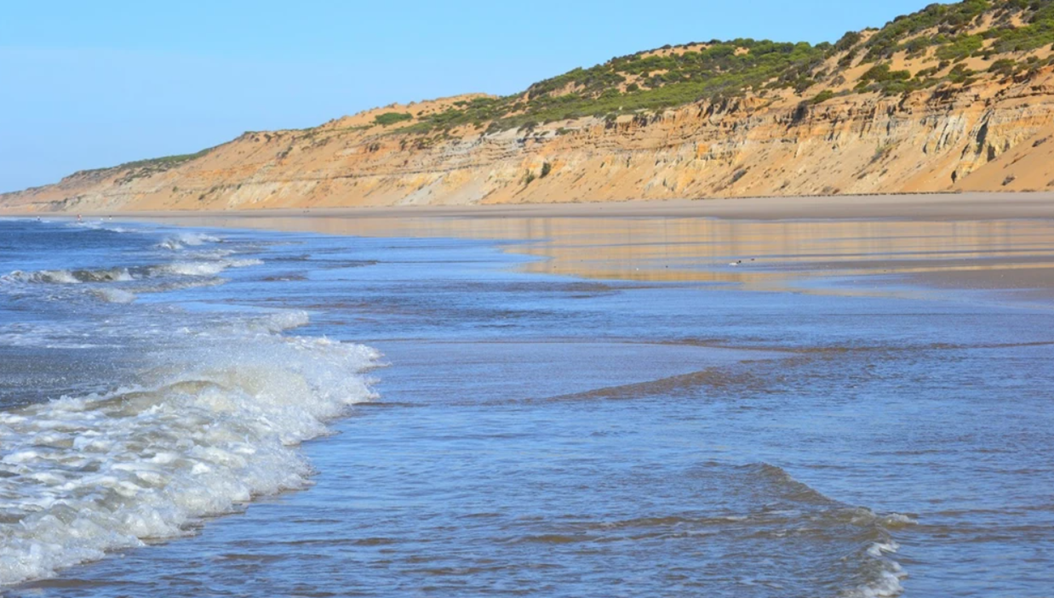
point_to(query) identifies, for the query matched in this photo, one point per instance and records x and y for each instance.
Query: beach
(965, 240)
(841, 397)
(350, 300)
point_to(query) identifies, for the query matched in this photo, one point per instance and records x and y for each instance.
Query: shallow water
(530, 433)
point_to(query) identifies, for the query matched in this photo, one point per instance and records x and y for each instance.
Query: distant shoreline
(916, 206)
(917, 238)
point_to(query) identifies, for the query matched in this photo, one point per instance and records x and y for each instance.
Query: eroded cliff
(860, 116)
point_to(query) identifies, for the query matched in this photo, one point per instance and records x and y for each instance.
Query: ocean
(197, 411)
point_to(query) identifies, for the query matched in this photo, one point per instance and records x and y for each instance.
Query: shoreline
(921, 206)
(942, 243)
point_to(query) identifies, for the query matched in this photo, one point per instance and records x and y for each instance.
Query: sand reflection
(752, 254)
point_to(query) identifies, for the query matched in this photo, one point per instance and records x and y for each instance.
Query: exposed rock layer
(993, 133)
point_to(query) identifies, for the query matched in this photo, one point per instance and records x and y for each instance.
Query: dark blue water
(528, 434)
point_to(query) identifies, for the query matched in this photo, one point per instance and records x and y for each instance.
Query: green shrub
(1038, 33)
(390, 118)
(847, 42)
(847, 60)
(723, 70)
(945, 18)
(960, 48)
(961, 74)
(823, 96)
(144, 168)
(1004, 66)
(918, 45)
(689, 77)
(881, 73)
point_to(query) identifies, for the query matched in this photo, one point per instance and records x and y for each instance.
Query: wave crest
(187, 239)
(215, 425)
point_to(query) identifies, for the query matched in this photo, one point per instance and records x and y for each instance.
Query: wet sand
(844, 245)
(933, 206)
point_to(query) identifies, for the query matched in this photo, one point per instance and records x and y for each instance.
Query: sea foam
(215, 422)
(197, 268)
(187, 239)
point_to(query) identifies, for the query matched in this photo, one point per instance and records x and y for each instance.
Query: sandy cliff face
(995, 136)
(988, 136)
(837, 134)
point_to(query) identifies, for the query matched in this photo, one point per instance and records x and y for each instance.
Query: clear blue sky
(91, 84)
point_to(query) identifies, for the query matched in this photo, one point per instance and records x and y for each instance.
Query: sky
(94, 84)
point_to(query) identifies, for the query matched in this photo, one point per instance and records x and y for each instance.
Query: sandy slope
(992, 133)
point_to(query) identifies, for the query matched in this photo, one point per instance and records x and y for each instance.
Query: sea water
(241, 413)
(125, 415)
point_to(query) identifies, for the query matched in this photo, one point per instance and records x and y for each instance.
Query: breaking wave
(215, 422)
(102, 225)
(201, 268)
(188, 268)
(112, 295)
(872, 566)
(70, 276)
(187, 239)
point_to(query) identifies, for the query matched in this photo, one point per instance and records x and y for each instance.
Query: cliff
(955, 97)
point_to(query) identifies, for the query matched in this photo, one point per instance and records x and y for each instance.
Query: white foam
(208, 264)
(43, 276)
(99, 225)
(244, 263)
(177, 286)
(880, 549)
(283, 320)
(110, 275)
(69, 276)
(888, 579)
(897, 521)
(187, 239)
(29, 340)
(209, 254)
(213, 425)
(111, 295)
(203, 268)
(886, 586)
(191, 269)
